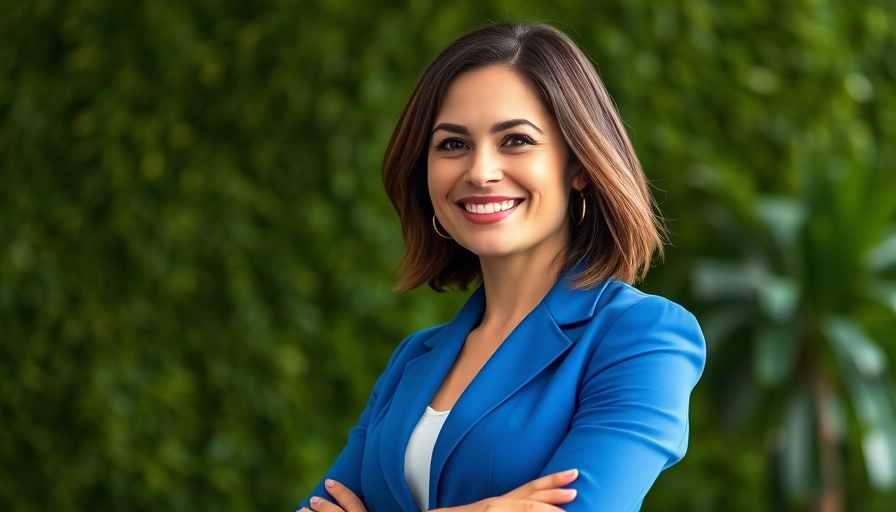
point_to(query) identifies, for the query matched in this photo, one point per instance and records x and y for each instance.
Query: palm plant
(803, 286)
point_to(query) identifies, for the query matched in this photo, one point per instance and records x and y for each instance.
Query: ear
(580, 177)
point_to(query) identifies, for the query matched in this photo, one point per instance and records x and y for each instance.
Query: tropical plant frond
(799, 460)
(882, 256)
(855, 349)
(864, 367)
(774, 355)
(883, 291)
(778, 296)
(716, 279)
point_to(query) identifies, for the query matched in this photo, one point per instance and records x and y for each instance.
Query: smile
(499, 206)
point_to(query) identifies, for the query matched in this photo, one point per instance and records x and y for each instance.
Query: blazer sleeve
(632, 415)
(347, 467)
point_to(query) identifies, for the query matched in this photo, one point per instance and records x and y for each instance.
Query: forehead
(490, 94)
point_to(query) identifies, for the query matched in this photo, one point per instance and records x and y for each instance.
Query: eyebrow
(513, 123)
(497, 127)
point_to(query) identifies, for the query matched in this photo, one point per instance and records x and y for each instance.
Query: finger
(505, 505)
(534, 506)
(562, 478)
(553, 496)
(322, 505)
(552, 481)
(347, 499)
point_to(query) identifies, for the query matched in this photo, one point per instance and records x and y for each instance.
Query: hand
(539, 495)
(346, 500)
(536, 496)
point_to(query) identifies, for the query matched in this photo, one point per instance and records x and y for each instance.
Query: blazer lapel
(535, 343)
(420, 380)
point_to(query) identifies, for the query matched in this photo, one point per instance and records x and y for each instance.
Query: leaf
(799, 461)
(774, 350)
(784, 217)
(873, 402)
(720, 279)
(884, 292)
(879, 449)
(883, 255)
(778, 297)
(850, 342)
(870, 401)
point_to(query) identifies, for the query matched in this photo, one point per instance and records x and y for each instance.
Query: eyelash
(443, 146)
(525, 139)
(518, 139)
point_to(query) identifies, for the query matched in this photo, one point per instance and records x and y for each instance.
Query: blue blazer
(597, 380)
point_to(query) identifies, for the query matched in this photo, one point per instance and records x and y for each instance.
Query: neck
(514, 286)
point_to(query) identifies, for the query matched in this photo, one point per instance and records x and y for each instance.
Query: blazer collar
(568, 306)
(535, 343)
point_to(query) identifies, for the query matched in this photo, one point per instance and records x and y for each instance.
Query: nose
(485, 168)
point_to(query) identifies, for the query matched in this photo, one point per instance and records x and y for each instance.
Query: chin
(477, 246)
(489, 250)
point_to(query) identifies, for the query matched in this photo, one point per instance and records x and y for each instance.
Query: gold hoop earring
(581, 218)
(435, 226)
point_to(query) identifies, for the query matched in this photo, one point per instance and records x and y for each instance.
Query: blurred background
(196, 253)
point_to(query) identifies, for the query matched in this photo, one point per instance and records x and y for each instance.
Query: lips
(488, 210)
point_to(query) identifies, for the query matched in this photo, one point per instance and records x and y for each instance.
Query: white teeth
(490, 207)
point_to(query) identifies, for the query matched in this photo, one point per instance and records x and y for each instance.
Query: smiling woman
(558, 384)
(499, 171)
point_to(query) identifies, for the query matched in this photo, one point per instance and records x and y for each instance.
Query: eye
(451, 145)
(518, 139)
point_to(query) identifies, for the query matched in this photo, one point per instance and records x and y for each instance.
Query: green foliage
(196, 251)
(813, 268)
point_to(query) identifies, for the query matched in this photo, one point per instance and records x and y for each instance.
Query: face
(499, 171)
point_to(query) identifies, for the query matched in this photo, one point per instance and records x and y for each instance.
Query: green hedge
(197, 254)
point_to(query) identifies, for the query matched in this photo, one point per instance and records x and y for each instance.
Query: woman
(558, 384)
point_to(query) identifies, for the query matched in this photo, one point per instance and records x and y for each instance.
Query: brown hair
(620, 233)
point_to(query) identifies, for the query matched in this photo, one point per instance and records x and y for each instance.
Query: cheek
(553, 185)
(438, 178)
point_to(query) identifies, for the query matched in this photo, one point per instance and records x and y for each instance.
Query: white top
(418, 457)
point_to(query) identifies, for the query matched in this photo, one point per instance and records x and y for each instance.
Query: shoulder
(627, 322)
(610, 301)
(623, 301)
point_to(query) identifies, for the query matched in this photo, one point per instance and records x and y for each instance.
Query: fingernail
(570, 492)
(315, 500)
(570, 472)
(329, 483)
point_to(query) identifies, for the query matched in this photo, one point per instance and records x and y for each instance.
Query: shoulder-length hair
(621, 231)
